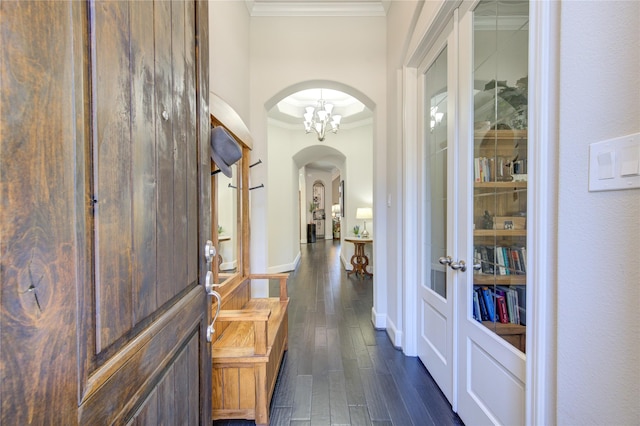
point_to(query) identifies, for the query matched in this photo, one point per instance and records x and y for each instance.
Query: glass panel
(229, 232)
(436, 176)
(500, 167)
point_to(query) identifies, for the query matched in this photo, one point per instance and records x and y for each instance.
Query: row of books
(498, 260)
(496, 169)
(500, 304)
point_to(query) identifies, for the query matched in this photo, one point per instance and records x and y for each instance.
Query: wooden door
(104, 162)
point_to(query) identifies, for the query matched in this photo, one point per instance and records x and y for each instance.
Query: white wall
(229, 54)
(350, 151)
(599, 233)
(353, 55)
(399, 21)
(283, 217)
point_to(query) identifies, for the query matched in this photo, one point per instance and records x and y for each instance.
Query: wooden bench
(248, 350)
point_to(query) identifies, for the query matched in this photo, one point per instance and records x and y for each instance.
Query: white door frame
(541, 389)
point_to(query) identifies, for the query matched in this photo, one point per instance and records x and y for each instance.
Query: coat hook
(256, 163)
(256, 187)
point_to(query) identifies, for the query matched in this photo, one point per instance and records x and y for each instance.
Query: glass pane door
(436, 173)
(435, 307)
(500, 67)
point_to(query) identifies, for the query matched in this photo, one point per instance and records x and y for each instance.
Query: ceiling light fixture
(319, 119)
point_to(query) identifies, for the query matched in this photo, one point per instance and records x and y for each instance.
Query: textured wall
(599, 232)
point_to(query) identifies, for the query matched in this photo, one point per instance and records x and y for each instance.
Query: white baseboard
(284, 267)
(347, 265)
(394, 334)
(379, 320)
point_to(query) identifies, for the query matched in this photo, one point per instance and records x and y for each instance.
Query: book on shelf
(496, 169)
(488, 300)
(521, 293)
(476, 307)
(500, 260)
(501, 307)
(504, 301)
(484, 315)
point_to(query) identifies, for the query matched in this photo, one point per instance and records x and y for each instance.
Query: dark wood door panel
(175, 400)
(143, 122)
(38, 236)
(101, 311)
(145, 210)
(111, 140)
(115, 388)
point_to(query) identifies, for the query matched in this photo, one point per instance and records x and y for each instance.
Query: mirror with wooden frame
(230, 202)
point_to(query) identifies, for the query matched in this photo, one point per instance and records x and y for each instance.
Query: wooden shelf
(506, 185)
(486, 279)
(509, 135)
(500, 233)
(512, 333)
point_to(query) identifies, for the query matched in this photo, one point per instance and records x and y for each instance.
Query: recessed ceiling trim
(317, 8)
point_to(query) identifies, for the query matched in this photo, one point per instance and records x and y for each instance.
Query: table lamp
(364, 213)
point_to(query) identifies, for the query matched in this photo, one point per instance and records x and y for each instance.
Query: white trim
(318, 8)
(286, 267)
(453, 158)
(379, 320)
(542, 221)
(410, 219)
(422, 43)
(395, 334)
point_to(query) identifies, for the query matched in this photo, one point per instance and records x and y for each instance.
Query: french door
(472, 292)
(435, 308)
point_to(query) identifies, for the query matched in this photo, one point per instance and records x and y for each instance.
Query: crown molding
(318, 8)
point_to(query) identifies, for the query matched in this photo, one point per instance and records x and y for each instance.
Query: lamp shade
(364, 213)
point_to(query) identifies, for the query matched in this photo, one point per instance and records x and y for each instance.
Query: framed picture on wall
(341, 198)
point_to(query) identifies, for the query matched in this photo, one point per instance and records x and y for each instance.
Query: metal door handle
(209, 251)
(445, 260)
(460, 265)
(210, 329)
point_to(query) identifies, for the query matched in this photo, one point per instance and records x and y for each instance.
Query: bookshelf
(500, 232)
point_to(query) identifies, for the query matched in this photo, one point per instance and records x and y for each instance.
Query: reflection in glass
(436, 178)
(500, 167)
(228, 205)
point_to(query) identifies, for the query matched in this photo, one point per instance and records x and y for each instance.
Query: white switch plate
(615, 164)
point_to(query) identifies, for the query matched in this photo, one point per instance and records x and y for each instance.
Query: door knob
(460, 265)
(445, 260)
(209, 251)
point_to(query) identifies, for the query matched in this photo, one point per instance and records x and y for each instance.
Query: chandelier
(320, 120)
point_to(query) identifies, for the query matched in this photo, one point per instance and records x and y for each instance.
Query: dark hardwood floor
(339, 370)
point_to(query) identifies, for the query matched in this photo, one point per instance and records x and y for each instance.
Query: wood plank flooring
(339, 370)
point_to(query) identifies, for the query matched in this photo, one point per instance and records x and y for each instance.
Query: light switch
(605, 165)
(630, 162)
(615, 164)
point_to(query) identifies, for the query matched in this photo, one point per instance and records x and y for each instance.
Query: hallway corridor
(338, 369)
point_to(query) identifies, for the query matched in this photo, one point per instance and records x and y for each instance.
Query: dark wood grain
(191, 141)
(38, 244)
(179, 124)
(165, 151)
(79, 168)
(112, 172)
(143, 122)
(339, 370)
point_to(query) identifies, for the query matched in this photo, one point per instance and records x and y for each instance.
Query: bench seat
(246, 357)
